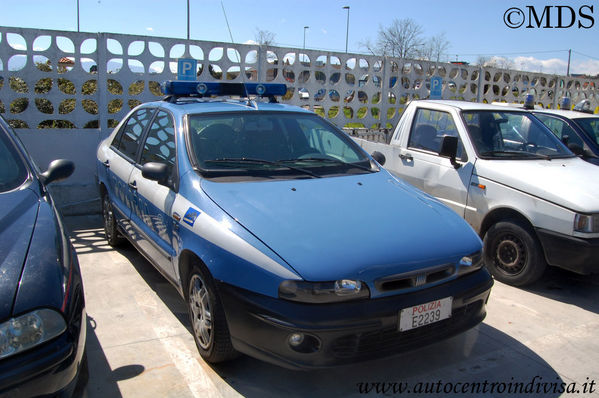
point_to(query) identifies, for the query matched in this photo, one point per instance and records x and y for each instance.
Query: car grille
(410, 280)
(389, 341)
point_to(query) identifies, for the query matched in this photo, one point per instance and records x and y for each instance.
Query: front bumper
(569, 252)
(347, 332)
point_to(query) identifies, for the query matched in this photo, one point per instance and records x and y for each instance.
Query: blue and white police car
(287, 241)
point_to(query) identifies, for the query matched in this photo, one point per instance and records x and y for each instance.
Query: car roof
(568, 114)
(470, 106)
(185, 106)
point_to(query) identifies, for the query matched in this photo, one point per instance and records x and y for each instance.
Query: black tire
(207, 317)
(513, 253)
(111, 233)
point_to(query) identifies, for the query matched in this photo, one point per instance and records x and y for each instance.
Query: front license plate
(425, 314)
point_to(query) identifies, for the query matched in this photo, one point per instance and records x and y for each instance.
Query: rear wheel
(513, 253)
(111, 232)
(207, 317)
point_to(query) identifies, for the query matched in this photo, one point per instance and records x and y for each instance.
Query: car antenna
(236, 53)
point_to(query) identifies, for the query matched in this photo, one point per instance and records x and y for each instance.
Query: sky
(473, 28)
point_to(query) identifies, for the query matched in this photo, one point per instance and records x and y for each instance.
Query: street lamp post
(77, 15)
(187, 19)
(305, 27)
(347, 27)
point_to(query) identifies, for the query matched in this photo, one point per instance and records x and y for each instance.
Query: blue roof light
(566, 103)
(529, 102)
(206, 89)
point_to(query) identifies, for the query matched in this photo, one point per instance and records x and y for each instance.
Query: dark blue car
(42, 307)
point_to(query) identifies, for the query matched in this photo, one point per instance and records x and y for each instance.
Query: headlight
(323, 292)
(29, 330)
(586, 223)
(470, 263)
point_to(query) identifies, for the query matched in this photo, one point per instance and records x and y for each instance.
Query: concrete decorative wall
(64, 91)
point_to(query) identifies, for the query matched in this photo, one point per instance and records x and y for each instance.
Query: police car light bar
(529, 101)
(181, 88)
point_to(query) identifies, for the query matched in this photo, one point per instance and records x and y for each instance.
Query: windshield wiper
(514, 153)
(262, 161)
(330, 160)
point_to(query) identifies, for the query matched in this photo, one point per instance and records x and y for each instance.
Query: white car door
(423, 167)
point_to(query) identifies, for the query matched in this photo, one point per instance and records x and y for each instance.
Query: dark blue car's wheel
(207, 317)
(111, 232)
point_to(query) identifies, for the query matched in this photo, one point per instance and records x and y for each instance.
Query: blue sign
(186, 69)
(436, 87)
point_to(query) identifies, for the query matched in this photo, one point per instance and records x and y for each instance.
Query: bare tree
(434, 48)
(403, 38)
(265, 37)
(482, 61)
(495, 62)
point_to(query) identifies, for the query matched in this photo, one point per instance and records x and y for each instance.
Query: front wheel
(207, 317)
(513, 253)
(111, 232)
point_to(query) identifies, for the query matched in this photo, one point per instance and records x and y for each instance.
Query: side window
(560, 128)
(160, 143)
(428, 129)
(127, 140)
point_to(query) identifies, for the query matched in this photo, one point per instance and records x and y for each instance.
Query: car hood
(362, 226)
(571, 183)
(18, 213)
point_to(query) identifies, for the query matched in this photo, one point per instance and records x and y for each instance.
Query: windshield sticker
(190, 217)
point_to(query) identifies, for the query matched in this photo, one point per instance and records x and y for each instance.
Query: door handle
(106, 163)
(406, 156)
(133, 185)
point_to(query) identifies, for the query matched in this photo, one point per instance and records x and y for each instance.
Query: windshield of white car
(512, 135)
(590, 125)
(13, 171)
(287, 144)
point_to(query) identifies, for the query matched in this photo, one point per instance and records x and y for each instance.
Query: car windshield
(12, 170)
(512, 135)
(590, 125)
(272, 143)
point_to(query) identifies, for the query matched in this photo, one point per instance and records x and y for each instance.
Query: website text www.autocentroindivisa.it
(534, 386)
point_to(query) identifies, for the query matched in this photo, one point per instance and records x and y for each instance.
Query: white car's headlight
(588, 223)
(29, 330)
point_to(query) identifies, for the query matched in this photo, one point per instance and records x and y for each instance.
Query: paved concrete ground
(140, 345)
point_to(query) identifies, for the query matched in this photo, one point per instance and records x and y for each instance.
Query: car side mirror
(58, 170)
(449, 149)
(155, 171)
(379, 157)
(576, 149)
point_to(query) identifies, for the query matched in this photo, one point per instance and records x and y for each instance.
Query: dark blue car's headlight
(29, 330)
(323, 292)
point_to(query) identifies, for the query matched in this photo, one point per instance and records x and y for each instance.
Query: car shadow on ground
(103, 380)
(568, 287)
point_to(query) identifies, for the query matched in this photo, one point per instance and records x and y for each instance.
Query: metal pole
(347, 28)
(569, 54)
(305, 27)
(187, 19)
(77, 15)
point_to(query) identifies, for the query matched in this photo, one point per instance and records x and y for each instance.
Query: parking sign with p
(436, 87)
(186, 69)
